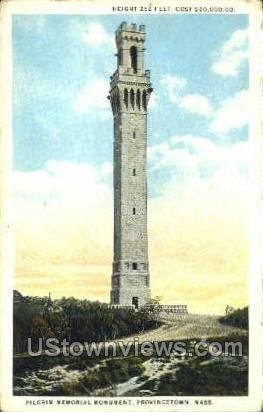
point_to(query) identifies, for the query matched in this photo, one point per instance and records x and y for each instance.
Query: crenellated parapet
(131, 28)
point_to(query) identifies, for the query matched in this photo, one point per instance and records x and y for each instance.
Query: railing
(155, 308)
(169, 308)
(127, 307)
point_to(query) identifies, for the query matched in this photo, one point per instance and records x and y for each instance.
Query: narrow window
(126, 98)
(134, 135)
(133, 211)
(144, 102)
(133, 55)
(132, 98)
(138, 99)
(134, 266)
(134, 172)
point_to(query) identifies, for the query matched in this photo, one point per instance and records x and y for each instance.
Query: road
(178, 327)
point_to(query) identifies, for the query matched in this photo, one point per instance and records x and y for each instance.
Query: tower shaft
(129, 96)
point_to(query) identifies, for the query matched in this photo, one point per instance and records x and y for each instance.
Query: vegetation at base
(238, 318)
(114, 371)
(100, 376)
(104, 378)
(74, 319)
(216, 377)
(32, 364)
(204, 376)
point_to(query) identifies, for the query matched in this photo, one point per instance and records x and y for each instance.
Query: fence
(155, 308)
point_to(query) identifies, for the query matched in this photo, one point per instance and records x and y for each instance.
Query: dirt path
(183, 327)
(178, 327)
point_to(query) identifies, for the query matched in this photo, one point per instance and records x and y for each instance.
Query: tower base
(130, 295)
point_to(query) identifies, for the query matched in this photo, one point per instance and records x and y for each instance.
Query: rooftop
(131, 27)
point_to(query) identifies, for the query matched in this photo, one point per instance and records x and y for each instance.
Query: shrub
(238, 318)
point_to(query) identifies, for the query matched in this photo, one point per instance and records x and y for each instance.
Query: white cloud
(232, 114)
(174, 86)
(106, 169)
(97, 36)
(193, 157)
(63, 230)
(196, 230)
(193, 103)
(197, 104)
(60, 180)
(163, 156)
(232, 54)
(93, 97)
(199, 225)
(93, 34)
(153, 101)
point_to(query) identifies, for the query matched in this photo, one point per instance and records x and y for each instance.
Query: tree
(156, 300)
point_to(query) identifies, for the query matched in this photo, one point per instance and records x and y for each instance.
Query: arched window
(133, 55)
(132, 98)
(138, 99)
(144, 101)
(134, 135)
(126, 98)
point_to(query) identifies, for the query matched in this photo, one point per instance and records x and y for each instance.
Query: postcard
(131, 206)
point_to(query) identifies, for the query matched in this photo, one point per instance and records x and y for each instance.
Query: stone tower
(130, 90)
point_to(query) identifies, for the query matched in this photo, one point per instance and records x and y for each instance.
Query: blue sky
(197, 154)
(54, 62)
